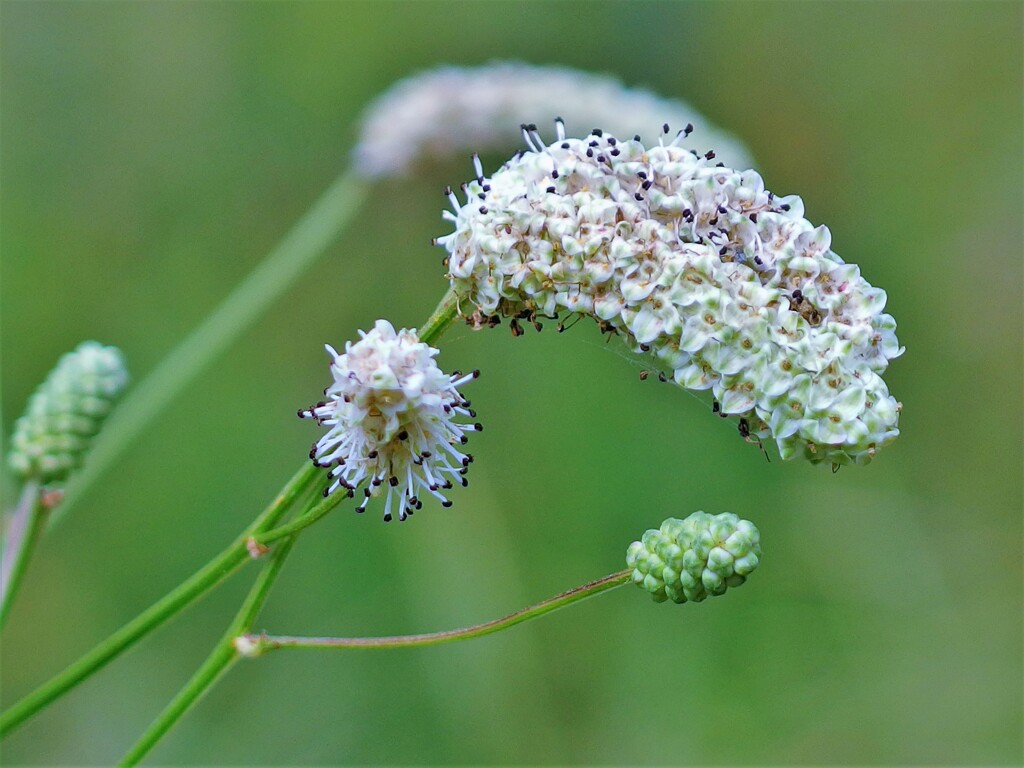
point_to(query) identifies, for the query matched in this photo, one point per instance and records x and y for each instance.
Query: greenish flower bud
(693, 558)
(66, 412)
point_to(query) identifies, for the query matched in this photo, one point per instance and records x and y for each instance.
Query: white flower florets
(392, 418)
(728, 286)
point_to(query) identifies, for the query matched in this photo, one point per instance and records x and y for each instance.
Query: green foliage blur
(152, 153)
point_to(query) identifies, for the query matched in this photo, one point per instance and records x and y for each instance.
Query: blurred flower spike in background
(451, 111)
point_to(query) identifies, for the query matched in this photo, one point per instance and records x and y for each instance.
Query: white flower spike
(392, 422)
(728, 286)
(449, 111)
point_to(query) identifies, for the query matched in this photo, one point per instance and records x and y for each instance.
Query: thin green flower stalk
(217, 664)
(192, 589)
(294, 254)
(402, 366)
(24, 526)
(687, 559)
(51, 441)
(255, 645)
(246, 546)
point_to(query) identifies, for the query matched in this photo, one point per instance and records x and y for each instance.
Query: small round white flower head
(451, 111)
(729, 288)
(66, 412)
(393, 422)
(692, 559)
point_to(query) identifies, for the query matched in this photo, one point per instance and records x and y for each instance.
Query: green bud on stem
(66, 412)
(696, 557)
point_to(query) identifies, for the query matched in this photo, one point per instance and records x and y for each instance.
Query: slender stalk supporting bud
(685, 560)
(23, 529)
(256, 645)
(258, 544)
(50, 441)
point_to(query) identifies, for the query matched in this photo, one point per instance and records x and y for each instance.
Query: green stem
(441, 319)
(308, 238)
(226, 653)
(23, 529)
(256, 645)
(305, 520)
(220, 660)
(211, 574)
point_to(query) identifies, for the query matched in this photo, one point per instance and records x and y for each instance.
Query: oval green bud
(699, 556)
(66, 412)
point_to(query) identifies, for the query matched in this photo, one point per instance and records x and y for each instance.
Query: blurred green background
(152, 153)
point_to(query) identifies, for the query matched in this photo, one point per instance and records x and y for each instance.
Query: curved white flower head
(392, 422)
(728, 286)
(448, 111)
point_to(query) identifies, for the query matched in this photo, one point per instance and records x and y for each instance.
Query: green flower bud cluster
(693, 558)
(66, 412)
